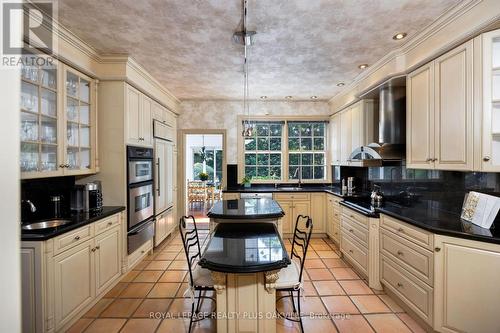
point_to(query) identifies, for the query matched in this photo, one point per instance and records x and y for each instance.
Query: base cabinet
(164, 225)
(61, 283)
(318, 212)
(107, 259)
(467, 292)
(74, 285)
(294, 205)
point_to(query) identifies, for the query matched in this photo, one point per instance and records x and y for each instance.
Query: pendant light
(245, 38)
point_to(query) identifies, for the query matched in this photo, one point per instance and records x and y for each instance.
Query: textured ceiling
(302, 47)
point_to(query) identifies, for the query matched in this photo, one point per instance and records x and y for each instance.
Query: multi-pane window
(207, 160)
(306, 150)
(263, 160)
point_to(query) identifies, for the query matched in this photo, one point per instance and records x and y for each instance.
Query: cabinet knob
(93, 250)
(437, 249)
(77, 237)
(97, 247)
(400, 253)
(434, 160)
(66, 165)
(400, 285)
(110, 223)
(62, 165)
(486, 158)
(429, 160)
(351, 251)
(350, 230)
(400, 230)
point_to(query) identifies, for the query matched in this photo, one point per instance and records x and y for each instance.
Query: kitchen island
(263, 210)
(245, 260)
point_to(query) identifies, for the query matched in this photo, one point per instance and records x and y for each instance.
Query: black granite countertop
(245, 248)
(77, 220)
(284, 188)
(246, 209)
(427, 214)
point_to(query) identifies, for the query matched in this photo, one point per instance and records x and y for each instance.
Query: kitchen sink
(290, 188)
(46, 224)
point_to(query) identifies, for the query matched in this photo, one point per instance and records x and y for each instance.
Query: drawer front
(292, 196)
(355, 251)
(416, 294)
(356, 230)
(414, 258)
(72, 238)
(349, 213)
(411, 233)
(336, 233)
(106, 224)
(336, 214)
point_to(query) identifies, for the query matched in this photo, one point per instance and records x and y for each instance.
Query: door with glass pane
(40, 144)
(80, 119)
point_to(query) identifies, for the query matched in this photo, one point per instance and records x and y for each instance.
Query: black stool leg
(191, 317)
(300, 316)
(293, 302)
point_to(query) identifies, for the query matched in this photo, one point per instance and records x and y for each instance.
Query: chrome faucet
(32, 206)
(299, 171)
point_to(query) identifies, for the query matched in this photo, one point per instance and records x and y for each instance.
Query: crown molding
(408, 56)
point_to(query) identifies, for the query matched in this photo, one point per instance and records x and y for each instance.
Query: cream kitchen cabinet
(329, 216)
(440, 112)
(318, 212)
(165, 224)
(466, 292)
(345, 136)
(139, 117)
(487, 70)
(58, 129)
(352, 128)
(66, 275)
(293, 205)
(335, 139)
(333, 217)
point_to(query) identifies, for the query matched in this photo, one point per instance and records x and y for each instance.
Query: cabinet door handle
(158, 164)
(486, 158)
(437, 249)
(93, 250)
(429, 160)
(110, 223)
(435, 160)
(62, 166)
(66, 165)
(77, 237)
(97, 247)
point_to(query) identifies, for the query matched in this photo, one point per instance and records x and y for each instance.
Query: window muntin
(263, 152)
(307, 150)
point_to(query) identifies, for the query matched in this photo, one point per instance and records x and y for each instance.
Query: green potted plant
(203, 176)
(246, 181)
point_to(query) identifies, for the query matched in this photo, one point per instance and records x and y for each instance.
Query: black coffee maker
(87, 197)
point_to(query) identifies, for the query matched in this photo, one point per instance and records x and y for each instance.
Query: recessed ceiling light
(288, 97)
(314, 97)
(399, 36)
(363, 66)
(340, 84)
(263, 97)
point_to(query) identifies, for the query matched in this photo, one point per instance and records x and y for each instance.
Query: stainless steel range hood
(391, 144)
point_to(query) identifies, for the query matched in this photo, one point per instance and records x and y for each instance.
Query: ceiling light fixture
(340, 84)
(288, 97)
(363, 66)
(263, 97)
(314, 97)
(246, 39)
(399, 36)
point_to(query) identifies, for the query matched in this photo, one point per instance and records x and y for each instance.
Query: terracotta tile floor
(331, 286)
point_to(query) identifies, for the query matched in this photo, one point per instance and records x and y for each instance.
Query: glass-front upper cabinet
(79, 117)
(58, 122)
(39, 122)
